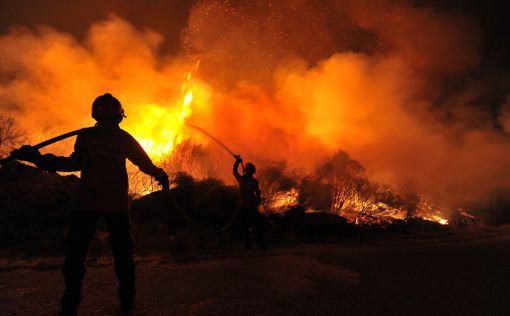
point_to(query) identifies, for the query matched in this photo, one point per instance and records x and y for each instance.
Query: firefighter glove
(26, 153)
(162, 179)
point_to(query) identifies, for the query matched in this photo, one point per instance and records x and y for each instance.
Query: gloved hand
(162, 179)
(238, 159)
(26, 153)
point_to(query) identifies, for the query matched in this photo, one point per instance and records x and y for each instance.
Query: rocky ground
(423, 277)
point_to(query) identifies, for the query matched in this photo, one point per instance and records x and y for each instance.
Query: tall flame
(159, 127)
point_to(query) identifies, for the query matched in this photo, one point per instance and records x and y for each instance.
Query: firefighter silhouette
(249, 201)
(100, 153)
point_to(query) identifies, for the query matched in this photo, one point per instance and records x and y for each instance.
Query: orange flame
(284, 200)
(159, 128)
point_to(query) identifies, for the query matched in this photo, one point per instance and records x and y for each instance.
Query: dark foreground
(445, 278)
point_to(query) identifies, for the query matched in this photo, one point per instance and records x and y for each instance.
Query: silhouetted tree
(10, 135)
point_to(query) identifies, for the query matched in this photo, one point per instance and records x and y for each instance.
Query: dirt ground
(439, 278)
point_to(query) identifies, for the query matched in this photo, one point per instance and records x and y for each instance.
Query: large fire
(384, 85)
(159, 128)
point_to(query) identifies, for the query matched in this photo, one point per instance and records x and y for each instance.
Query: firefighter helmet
(249, 168)
(107, 108)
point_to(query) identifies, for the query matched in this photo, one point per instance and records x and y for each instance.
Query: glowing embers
(362, 210)
(435, 218)
(283, 200)
(429, 211)
(359, 210)
(366, 210)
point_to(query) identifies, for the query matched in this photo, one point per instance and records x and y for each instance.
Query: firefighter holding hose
(100, 153)
(249, 201)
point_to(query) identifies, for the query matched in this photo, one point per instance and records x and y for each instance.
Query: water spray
(215, 139)
(236, 156)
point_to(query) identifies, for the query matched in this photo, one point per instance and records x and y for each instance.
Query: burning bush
(341, 185)
(279, 188)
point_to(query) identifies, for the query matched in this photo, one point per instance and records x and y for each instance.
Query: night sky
(170, 17)
(166, 17)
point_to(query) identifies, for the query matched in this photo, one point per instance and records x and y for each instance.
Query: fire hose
(215, 139)
(181, 211)
(172, 198)
(195, 224)
(46, 143)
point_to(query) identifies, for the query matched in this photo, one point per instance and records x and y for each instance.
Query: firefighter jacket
(249, 191)
(100, 154)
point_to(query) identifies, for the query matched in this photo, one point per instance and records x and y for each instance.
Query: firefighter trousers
(81, 231)
(253, 224)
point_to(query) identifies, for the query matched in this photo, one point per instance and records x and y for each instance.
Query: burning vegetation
(369, 119)
(342, 186)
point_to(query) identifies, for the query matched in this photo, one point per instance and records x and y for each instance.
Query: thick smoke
(399, 103)
(49, 79)
(386, 81)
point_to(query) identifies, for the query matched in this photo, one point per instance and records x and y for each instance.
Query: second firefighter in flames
(249, 201)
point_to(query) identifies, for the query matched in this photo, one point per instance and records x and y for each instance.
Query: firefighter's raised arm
(236, 167)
